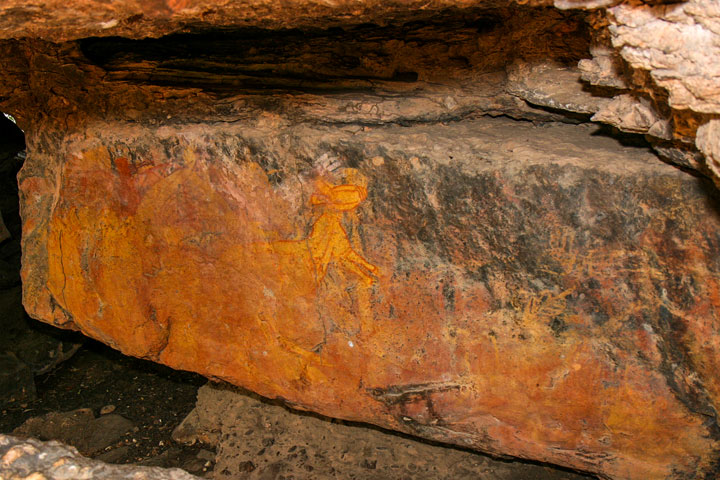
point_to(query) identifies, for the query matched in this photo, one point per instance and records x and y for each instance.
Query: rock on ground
(553, 86)
(34, 460)
(256, 439)
(78, 428)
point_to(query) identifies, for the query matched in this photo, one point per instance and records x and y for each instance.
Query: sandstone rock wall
(410, 222)
(517, 289)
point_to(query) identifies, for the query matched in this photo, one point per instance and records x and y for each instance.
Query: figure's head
(341, 197)
(344, 197)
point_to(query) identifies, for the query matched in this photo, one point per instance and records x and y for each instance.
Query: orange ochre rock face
(558, 311)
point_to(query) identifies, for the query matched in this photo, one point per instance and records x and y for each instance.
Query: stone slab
(537, 291)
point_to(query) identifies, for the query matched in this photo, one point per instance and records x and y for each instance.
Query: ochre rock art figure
(284, 283)
(199, 261)
(328, 241)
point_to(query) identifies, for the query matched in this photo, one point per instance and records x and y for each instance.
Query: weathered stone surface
(78, 428)
(588, 4)
(708, 142)
(255, 440)
(414, 72)
(677, 44)
(534, 291)
(553, 86)
(682, 156)
(671, 55)
(674, 42)
(58, 21)
(329, 215)
(636, 115)
(604, 69)
(27, 348)
(34, 460)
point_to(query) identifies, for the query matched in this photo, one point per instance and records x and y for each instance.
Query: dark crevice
(259, 60)
(570, 117)
(348, 59)
(635, 140)
(12, 148)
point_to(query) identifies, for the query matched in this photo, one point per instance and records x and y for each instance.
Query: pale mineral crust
(604, 69)
(708, 142)
(587, 4)
(672, 51)
(678, 44)
(29, 459)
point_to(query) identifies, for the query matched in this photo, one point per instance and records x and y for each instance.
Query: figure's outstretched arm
(358, 265)
(357, 259)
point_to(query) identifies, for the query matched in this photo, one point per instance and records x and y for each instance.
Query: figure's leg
(322, 243)
(322, 261)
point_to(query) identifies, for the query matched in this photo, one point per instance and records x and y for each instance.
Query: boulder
(257, 439)
(542, 292)
(390, 212)
(553, 86)
(32, 459)
(78, 428)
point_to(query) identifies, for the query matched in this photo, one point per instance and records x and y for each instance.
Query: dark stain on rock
(599, 318)
(401, 196)
(448, 291)
(677, 367)
(558, 326)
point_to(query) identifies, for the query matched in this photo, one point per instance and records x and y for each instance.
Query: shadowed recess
(354, 58)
